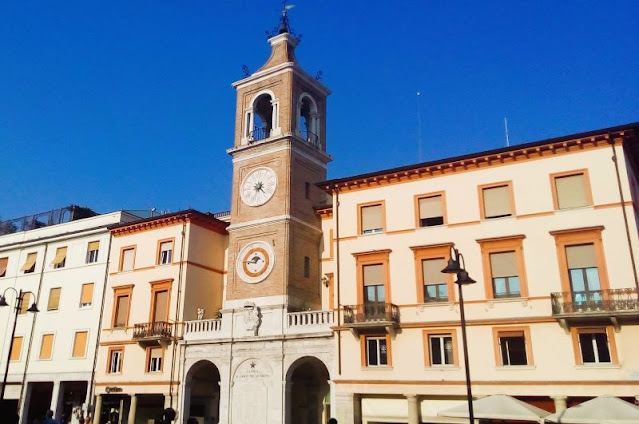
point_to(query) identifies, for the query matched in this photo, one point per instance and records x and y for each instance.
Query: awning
(60, 256)
(498, 407)
(600, 410)
(30, 262)
(3, 266)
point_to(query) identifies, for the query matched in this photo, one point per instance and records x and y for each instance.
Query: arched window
(308, 120)
(262, 118)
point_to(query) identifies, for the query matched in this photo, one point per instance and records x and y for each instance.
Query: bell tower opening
(308, 120)
(262, 118)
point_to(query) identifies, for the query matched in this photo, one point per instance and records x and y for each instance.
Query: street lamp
(457, 265)
(3, 302)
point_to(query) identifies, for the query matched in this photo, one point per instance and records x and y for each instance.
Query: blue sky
(128, 104)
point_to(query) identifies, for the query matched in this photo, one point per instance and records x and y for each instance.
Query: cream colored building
(162, 270)
(63, 267)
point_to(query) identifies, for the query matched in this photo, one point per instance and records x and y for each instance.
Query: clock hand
(253, 260)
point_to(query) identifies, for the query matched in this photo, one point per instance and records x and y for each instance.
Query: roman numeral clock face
(258, 186)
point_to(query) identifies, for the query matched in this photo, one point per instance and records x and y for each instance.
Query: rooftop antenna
(506, 128)
(419, 126)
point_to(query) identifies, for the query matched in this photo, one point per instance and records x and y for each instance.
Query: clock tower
(279, 153)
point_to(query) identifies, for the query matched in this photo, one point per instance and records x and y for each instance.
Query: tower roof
(283, 42)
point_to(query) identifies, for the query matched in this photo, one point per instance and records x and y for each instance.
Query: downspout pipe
(615, 160)
(337, 282)
(177, 309)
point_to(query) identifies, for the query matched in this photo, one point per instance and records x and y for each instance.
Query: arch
(202, 392)
(308, 119)
(307, 391)
(261, 119)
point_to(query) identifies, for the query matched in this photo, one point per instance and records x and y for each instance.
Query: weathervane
(284, 26)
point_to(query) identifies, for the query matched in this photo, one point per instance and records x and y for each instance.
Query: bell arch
(307, 122)
(202, 392)
(307, 392)
(261, 119)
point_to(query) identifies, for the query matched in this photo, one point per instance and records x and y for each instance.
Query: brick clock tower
(279, 154)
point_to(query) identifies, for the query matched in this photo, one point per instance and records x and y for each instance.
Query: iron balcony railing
(371, 313)
(157, 329)
(595, 302)
(310, 138)
(259, 133)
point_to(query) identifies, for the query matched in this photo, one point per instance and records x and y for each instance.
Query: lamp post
(3, 302)
(457, 265)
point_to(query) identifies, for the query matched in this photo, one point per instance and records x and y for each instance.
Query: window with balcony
(86, 295)
(571, 190)
(80, 344)
(127, 259)
(154, 359)
(60, 258)
(377, 351)
(512, 346)
(4, 262)
(430, 209)
(166, 252)
(92, 252)
(496, 201)
(583, 273)
(371, 218)
(594, 346)
(440, 348)
(16, 349)
(160, 305)
(116, 356)
(374, 289)
(30, 263)
(503, 266)
(46, 346)
(435, 284)
(54, 299)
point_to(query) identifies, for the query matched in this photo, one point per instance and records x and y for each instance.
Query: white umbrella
(498, 407)
(600, 410)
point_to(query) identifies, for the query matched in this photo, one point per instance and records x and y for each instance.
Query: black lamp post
(457, 265)
(3, 302)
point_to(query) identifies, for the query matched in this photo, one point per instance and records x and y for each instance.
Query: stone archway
(202, 393)
(308, 392)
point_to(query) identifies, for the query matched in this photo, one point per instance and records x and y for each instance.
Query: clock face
(258, 186)
(255, 262)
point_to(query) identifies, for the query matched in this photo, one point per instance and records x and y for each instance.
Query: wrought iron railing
(259, 133)
(310, 138)
(371, 313)
(45, 219)
(595, 301)
(157, 329)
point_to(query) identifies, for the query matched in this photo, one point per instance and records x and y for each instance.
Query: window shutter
(432, 271)
(503, 334)
(503, 264)
(156, 353)
(16, 350)
(166, 245)
(3, 266)
(94, 245)
(46, 346)
(60, 256)
(374, 275)
(161, 300)
(571, 191)
(127, 260)
(80, 344)
(496, 201)
(581, 256)
(30, 262)
(87, 293)
(371, 218)
(430, 207)
(122, 310)
(54, 299)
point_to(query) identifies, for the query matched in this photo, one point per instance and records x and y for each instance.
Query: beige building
(162, 271)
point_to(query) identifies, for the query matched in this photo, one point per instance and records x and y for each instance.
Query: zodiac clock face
(255, 262)
(258, 186)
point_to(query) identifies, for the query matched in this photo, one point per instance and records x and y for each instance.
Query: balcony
(371, 316)
(259, 133)
(613, 304)
(310, 138)
(149, 333)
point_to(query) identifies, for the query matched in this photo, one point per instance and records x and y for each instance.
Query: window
(377, 353)
(166, 252)
(160, 305)
(571, 190)
(92, 252)
(371, 219)
(307, 190)
(25, 304)
(430, 210)
(307, 267)
(503, 267)
(435, 285)
(440, 349)
(374, 291)
(54, 299)
(594, 345)
(121, 298)
(30, 263)
(127, 259)
(583, 273)
(60, 258)
(116, 356)
(80, 344)
(496, 201)
(4, 262)
(512, 346)
(46, 346)
(154, 359)
(86, 296)
(16, 349)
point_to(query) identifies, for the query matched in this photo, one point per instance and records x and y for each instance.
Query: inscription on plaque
(251, 384)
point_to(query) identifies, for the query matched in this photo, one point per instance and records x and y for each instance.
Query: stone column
(56, 399)
(26, 400)
(133, 409)
(97, 410)
(413, 409)
(288, 402)
(121, 411)
(345, 407)
(560, 403)
(333, 389)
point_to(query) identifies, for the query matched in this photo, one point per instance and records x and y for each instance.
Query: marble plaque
(251, 384)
